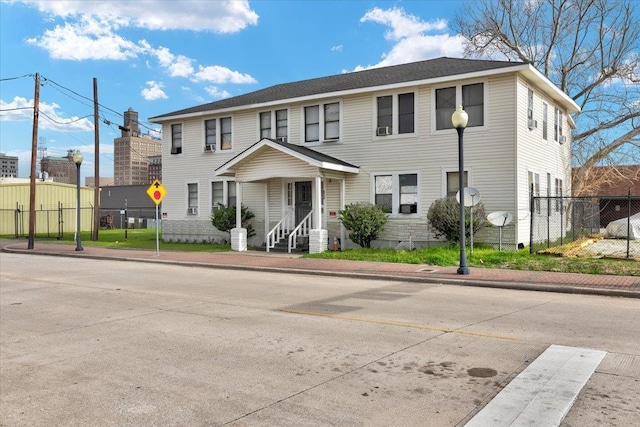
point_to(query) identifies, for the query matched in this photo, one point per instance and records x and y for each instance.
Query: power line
(17, 77)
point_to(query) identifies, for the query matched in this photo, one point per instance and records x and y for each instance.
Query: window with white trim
(322, 122)
(192, 198)
(395, 114)
(396, 193)
(225, 133)
(530, 108)
(176, 138)
(545, 120)
(534, 185)
(274, 124)
(557, 125)
(559, 194)
(453, 182)
(470, 96)
(210, 135)
(222, 193)
(217, 134)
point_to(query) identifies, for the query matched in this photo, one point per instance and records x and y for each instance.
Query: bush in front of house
(224, 219)
(444, 217)
(364, 222)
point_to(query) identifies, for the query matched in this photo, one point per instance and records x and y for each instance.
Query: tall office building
(131, 152)
(8, 166)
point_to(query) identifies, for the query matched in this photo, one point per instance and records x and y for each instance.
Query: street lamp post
(459, 120)
(77, 159)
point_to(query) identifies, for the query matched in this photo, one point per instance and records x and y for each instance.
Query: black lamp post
(77, 159)
(459, 120)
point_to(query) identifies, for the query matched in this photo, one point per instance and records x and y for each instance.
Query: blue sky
(158, 56)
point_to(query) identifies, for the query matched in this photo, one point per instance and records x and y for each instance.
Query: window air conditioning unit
(282, 138)
(192, 211)
(383, 131)
(176, 150)
(562, 139)
(533, 124)
(408, 209)
(209, 148)
(215, 208)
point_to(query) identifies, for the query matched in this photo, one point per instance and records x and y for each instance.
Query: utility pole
(96, 191)
(34, 151)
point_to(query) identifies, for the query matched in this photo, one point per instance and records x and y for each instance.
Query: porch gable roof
(305, 154)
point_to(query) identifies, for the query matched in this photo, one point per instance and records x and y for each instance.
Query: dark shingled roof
(414, 71)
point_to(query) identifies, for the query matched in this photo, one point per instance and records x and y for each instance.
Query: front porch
(298, 184)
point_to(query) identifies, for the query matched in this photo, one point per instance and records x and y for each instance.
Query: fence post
(629, 224)
(531, 209)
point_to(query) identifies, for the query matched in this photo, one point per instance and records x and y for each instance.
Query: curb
(523, 286)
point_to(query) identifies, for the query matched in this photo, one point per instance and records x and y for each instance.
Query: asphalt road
(89, 342)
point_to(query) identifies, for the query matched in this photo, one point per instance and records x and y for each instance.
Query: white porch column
(343, 196)
(266, 211)
(239, 234)
(317, 235)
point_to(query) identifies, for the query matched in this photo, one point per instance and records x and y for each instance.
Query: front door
(303, 200)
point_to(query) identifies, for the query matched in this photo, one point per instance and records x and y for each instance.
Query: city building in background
(59, 169)
(8, 166)
(131, 152)
(155, 168)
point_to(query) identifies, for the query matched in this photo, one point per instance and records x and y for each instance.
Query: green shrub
(224, 219)
(363, 221)
(444, 217)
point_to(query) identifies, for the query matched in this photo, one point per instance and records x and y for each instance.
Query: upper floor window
(395, 114)
(530, 108)
(225, 133)
(176, 139)
(471, 97)
(396, 193)
(274, 124)
(322, 122)
(217, 134)
(557, 125)
(545, 120)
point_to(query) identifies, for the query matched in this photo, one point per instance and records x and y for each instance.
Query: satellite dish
(500, 218)
(471, 196)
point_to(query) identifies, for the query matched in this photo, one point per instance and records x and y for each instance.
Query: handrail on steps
(281, 229)
(302, 229)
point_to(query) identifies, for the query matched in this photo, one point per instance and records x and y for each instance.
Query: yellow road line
(395, 323)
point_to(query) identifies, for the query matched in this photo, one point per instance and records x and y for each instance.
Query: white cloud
(177, 66)
(216, 93)
(411, 42)
(154, 91)
(218, 74)
(221, 16)
(337, 48)
(21, 109)
(402, 24)
(89, 38)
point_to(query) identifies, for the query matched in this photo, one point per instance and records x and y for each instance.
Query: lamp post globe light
(77, 159)
(459, 120)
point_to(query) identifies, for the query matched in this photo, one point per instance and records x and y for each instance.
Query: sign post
(156, 192)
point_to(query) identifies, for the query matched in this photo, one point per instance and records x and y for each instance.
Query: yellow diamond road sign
(156, 191)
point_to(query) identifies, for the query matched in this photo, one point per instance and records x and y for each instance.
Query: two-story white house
(296, 153)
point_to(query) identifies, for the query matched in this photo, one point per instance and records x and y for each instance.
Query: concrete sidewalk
(619, 286)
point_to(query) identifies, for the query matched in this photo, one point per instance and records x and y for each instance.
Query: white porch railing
(302, 229)
(281, 229)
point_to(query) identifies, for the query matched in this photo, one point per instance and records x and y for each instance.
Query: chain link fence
(54, 221)
(605, 226)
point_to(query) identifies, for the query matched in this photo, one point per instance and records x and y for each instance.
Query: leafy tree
(444, 217)
(224, 219)
(589, 48)
(364, 222)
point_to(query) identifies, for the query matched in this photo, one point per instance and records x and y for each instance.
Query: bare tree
(589, 48)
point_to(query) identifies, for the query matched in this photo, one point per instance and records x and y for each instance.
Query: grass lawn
(482, 257)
